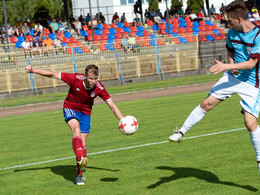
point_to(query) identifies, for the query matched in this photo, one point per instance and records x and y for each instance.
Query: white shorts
(229, 85)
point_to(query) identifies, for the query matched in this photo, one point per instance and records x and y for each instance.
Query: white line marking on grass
(118, 149)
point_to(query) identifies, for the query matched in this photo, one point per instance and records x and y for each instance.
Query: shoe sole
(175, 141)
(80, 184)
(83, 165)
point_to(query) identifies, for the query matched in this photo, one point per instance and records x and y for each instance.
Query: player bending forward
(243, 47)
(78, 106)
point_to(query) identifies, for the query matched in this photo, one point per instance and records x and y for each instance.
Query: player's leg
(84, 143)
(195, 116)
(254, 134)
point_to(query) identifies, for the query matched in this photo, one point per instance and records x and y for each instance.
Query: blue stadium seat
(120, 25)
(126, 29)
(98, 32)
(64, 45)
(175, 35)
(31, 32)
(140, 28)
(112, 31)
(195, 24)
(182, 24)
(208, 22)
(210, 38)
(155, 27)
(20, 39)
(182, 40)
(67, 35)
(99, 26)
(111, 36)
(83, 33)
(78, 50)
(139, 33)
(52, 36)
(110, 46)
(18, 44)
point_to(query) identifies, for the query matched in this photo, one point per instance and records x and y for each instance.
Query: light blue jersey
(245, 46)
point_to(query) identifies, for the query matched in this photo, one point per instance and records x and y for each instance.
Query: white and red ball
(128, 125)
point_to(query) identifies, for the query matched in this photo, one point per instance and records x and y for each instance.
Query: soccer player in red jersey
(77, 107)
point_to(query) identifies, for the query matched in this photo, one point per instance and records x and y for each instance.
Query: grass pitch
(213, 164)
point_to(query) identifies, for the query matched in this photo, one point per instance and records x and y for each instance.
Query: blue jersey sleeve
(229, 45)
(255, 53)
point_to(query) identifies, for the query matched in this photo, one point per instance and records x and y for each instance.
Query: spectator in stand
(18, 23)
(137, 21)
(16, 31)
(188, 11)
(38, 25)
(202, 9)
(132, 41)
(224, 19)
(26, 48)
(96, 17)
(37, 33)
(54, 26)
(212, 11)
(124, 44)
(222, 10)
(254, 9)
(115, 18)
(32, 24)
(157, 19)
(25, 29)
(41, 45)
(49, 45)
(27, 21)
(152, 13)
(88, 18)
(84, 26)
(49, 21)
(57, 43)
(102, 18)
(136, 8)
(35, 48)
(2, 35)
(256, 16)
(81, 19)
(78, 26)
(146, 15)
(10, 31)
(122, 19)
(201, 15)
(194, 17)
(180, 12)
(72, 21)
(160, 13)
(61, 26)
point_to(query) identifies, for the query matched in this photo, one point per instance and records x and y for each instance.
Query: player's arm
(42, 72)
(231, 61)
(114, 109)
(221, 67)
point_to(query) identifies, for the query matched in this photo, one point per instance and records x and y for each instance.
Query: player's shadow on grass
(182, 172)
(68, 172)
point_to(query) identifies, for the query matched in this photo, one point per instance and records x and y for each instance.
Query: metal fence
(147, 57)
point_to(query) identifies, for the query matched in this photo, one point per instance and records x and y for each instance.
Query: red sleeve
(104, 95)
(68, 77)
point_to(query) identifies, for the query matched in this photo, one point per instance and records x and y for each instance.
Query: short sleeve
(255, 53)
(229, 45)
(67, 77)
(104, 95)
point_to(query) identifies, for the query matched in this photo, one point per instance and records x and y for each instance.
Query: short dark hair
(91, 69)
(237, 9)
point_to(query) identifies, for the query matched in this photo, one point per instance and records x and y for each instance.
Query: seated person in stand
(49, 45)
(26, 47)
(57, 43)
(137, 21)
(124, 44)
(35, 48)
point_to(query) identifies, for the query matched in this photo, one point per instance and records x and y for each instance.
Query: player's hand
(235, 72)
(28, 68)
(218, 67)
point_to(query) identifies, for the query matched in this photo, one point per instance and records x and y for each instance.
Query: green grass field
(213, 164)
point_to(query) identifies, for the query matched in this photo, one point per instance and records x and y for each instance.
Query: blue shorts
(84, 119)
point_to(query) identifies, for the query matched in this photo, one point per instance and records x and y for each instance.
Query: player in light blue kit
(242, 78)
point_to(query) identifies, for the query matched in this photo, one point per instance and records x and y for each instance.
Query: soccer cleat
(82, 164)
(79, 180)
(176, 137)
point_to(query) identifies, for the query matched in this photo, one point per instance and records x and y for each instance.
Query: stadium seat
(110, 46)
(73, 40)
(126, 24)
(133, 29)
(64, 45)
(31, 32)
(216, 37)
(59, 34)
(85, 49)
(202, 28)
(126, 29)
(125, 34)
(149, 22)
(96, 37)
(69, 51)
(182, 25)
(118, 36)
(46, 31)
(120, 25)
(98, 32)
(160, 42)
(113, 25)
(222, 36)
(139, 33)
(112, 31)
(111, 36)
(90, 38)
(105, 31)
(183, 40)
(78, 50)
(65, 40)
(146, 33)
(119, 30)
(155, 27)
(103, 37)
(189, 29)
(78, 43)
(210, 38)
(20, 39)
(202, 23)
(214, 27)
(203, 38)
(106, 26)
(67, 34)
(208, 22)
(13, 39)
(140, 28)
(52, 36)
(99, 26)
(18, 44)
(175, 34)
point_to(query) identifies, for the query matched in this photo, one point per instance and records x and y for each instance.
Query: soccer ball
(128, 125)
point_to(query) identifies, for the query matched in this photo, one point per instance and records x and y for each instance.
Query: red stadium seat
(149, 22)
(13, 39)
(85, 49)
(65, 40)
(73, 40)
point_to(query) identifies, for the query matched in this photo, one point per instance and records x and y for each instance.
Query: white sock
(195, 116)
(255, 139)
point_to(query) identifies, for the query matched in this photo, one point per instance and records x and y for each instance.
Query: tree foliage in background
(153, 4)
(177, 3)
(21, 9)
(195, 5)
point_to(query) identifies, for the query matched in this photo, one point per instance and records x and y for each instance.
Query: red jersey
(79, 97)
